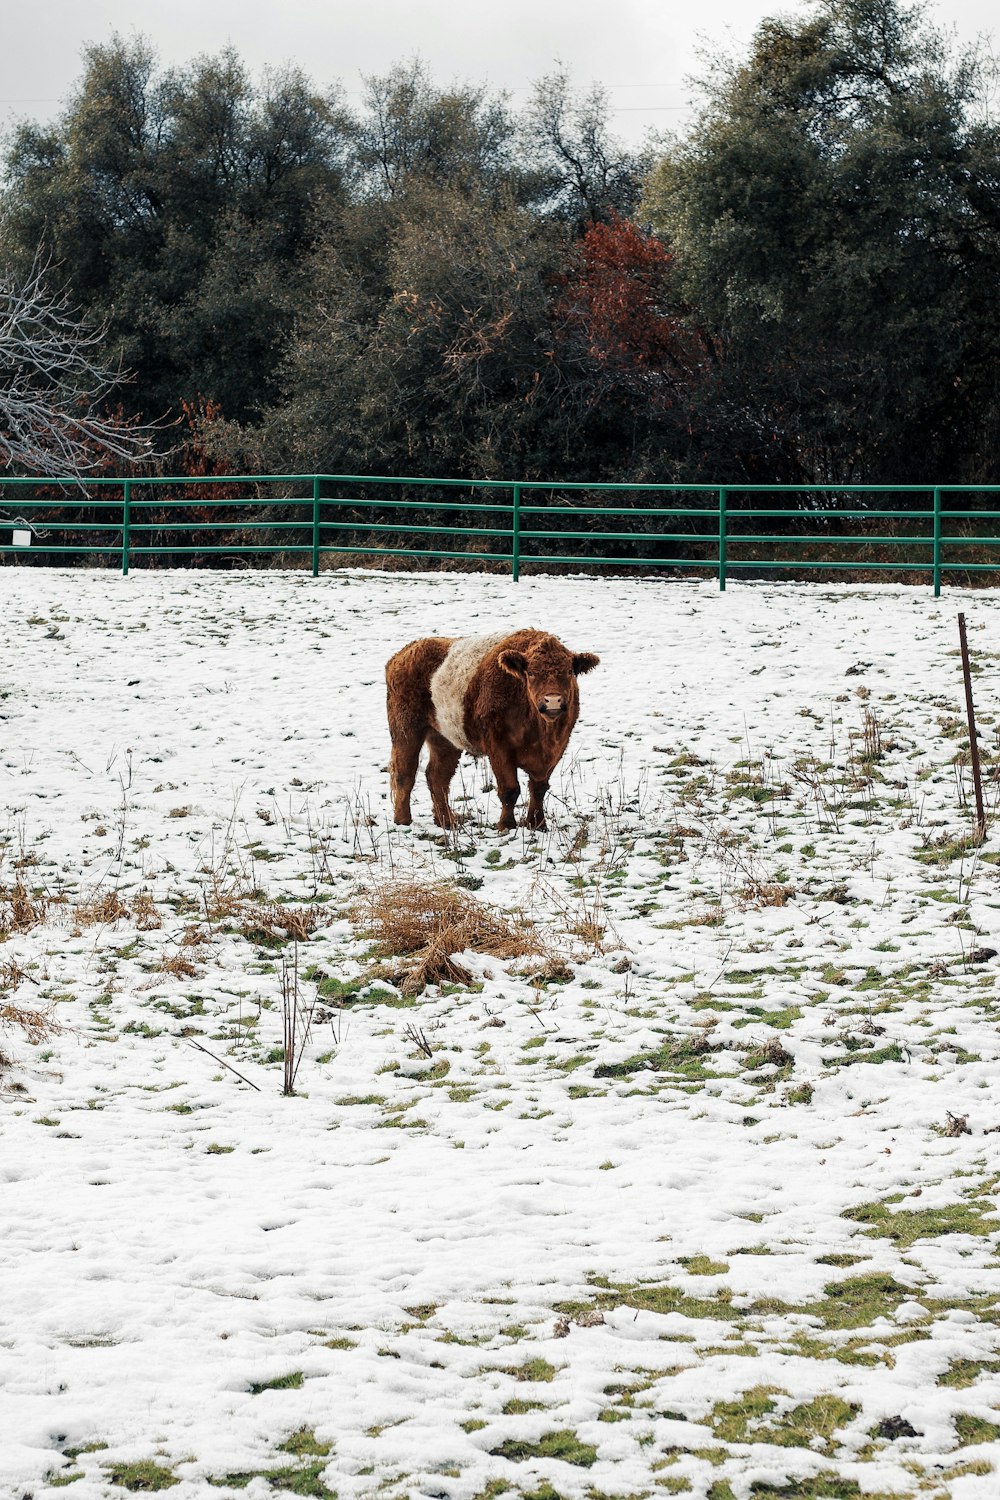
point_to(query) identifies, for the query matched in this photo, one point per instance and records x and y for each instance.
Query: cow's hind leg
(407, 731)
(402, 774)
(441, 766)
(408, 704)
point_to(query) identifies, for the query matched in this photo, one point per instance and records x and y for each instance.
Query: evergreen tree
(177, 207)
(835, 220)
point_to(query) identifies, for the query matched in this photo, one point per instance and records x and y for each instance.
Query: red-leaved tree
(621, 304)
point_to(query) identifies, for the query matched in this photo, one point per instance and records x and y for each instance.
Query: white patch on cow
(451, 680)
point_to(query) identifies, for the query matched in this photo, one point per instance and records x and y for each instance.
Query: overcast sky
(641, 50)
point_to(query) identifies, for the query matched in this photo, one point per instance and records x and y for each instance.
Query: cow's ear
(514, 662)
(585, 661)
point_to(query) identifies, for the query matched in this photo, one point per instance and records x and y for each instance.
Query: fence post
(315, 527)
(515, 539)
(937, 543)
(977, 775)
(126, 524)
(722, 541)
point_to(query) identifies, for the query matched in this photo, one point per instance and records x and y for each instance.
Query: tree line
(804, 287)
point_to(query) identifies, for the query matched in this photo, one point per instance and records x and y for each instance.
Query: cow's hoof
(510, 827)
(450, 820)
(536, 825)
(403, 822)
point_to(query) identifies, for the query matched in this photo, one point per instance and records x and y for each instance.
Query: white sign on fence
(20, 539)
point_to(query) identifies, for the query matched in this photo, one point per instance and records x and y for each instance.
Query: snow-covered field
(679, 1209)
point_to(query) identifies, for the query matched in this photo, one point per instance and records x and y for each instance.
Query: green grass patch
(303, 1480)
(74, 1453)
(858, 1301)
(143, 1477)
(733, 1421)
(290, 1382)
(973, 1430)
(911, 1224)
(684, 1055)
(811, 1424)
(965, 1372)
(942, 850)
(304, 1444)
(533, 1369)
(659, 1297)
(703, 1265)
(825, 1486)
(564, 1445)
(892, 1053)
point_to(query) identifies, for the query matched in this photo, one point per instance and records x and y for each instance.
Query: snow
(731, 864)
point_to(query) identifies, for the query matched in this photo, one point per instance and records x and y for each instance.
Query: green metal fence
(930, 531)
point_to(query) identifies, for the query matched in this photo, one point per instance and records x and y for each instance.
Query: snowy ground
(680, 1215)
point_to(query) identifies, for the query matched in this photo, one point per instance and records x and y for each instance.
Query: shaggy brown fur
(519, 707)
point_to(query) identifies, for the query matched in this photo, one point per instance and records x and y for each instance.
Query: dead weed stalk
(12, 974)
(297, 1018)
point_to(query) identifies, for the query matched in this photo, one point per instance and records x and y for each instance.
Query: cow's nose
(552, 703)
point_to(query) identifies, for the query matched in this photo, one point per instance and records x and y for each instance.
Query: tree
(622, 297)
(423, 346)
(54, 383)
(586, 175)
(178, 206)
(410, 131)
(453, 337)
(835, 221)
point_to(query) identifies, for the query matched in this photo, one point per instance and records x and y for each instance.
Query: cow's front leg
(441, 766)
(535, 815)
(505, 771)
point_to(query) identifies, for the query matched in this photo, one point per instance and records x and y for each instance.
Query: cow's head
(549, 674)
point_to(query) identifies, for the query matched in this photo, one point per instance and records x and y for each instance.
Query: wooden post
(977, 775)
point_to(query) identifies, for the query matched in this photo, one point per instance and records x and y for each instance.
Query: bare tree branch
(53, 383)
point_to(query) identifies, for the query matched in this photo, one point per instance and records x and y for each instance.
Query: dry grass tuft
(267, 922)
(766, 893)
(102, 910)
(177, 964)
(37, 1025)
(552, 970)
(774, 1051)
(433, 922)
(144, 913)
(227, 897)
(20, 909)
(436, 965)
(403, 918)
(222, 901)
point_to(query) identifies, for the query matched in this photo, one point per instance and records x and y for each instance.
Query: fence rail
(515, 523)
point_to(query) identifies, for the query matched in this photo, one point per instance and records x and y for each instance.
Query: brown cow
(512, 697)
